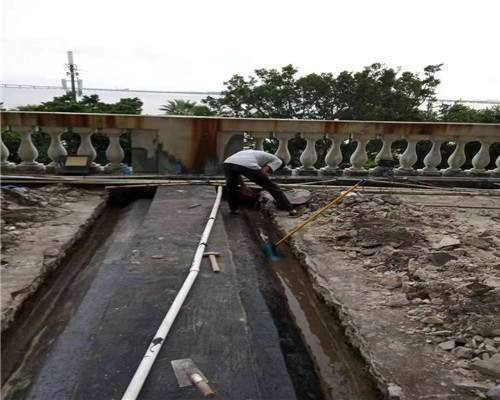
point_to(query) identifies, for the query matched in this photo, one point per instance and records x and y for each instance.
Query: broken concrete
(451, 296)
(490, 366)
(38, 227)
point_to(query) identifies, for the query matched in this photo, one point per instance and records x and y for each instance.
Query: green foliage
(376, 93)
(12, 141)
(186, 107)
(88, 104)
(462, 113)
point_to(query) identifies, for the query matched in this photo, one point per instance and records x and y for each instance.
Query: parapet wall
(169, 145)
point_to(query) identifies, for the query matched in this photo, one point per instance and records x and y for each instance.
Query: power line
(214, 93)
(25, 86)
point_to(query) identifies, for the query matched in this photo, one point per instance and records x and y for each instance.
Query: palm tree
(178, 107)
(185, 107)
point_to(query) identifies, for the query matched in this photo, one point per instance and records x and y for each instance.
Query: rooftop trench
(320, 360)
(26, 344)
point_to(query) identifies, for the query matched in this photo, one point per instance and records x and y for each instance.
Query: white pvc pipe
(135, 385)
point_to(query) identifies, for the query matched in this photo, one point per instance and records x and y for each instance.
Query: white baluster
(27, 152)
(309, 156)
(496, 171)
(283, 152)
(481, 159)
(408, 158)
(385, 154)
(259, 139)
(86, 148)
(433, 158)
(334, 156)
(457, 159)
(56, 149)
(5, 165)
(358, 158)
(114, 152)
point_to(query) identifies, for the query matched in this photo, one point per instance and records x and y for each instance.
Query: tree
(186, 107)
(88, 104)
(375, 93)
(461, 113)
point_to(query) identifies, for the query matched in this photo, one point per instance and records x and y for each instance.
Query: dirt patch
(38, 227)
(432, 272)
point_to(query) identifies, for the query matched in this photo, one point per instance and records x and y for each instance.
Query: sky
(196, 45)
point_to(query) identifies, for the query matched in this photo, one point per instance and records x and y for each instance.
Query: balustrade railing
(406, 160)
(167, 145)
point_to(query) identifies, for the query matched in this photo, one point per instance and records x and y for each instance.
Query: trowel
(187, 374)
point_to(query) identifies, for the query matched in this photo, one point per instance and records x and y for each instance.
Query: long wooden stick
(319, 212)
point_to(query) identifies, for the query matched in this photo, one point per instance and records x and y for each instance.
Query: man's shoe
(292, 213)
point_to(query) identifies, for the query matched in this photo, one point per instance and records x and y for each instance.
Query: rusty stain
(203, 143)
(110, 121)
(204, 130)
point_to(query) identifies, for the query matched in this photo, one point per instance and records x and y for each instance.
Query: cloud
(196, 45)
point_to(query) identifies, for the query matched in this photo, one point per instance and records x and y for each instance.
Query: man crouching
(254, 165)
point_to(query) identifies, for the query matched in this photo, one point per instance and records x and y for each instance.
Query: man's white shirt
(254, 159)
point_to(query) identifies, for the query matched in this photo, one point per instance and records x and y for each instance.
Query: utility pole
(73, 75)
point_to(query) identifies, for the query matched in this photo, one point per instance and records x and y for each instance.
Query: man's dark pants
(233, 172)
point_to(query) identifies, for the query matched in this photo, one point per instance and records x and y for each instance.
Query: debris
(442, 266)
(494, 393)
(23, 209)
(479, 243)
(425, 274)
(477, 288)
(489, 367)
(462, 364)
(368, 252)
(157, 256)
(392, 281)
(370, 244)
(344, 234)
(397, 300)
(470, 384)
(440, 258)
(432, 320)
(394, 391)
(463, 352)
(391, 200)
(448, 345)
(447, 242)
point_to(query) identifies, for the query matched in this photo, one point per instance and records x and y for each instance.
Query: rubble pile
(434, 262)
(24, 208)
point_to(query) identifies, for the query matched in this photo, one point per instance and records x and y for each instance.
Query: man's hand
(266, 169)
(246, 191)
